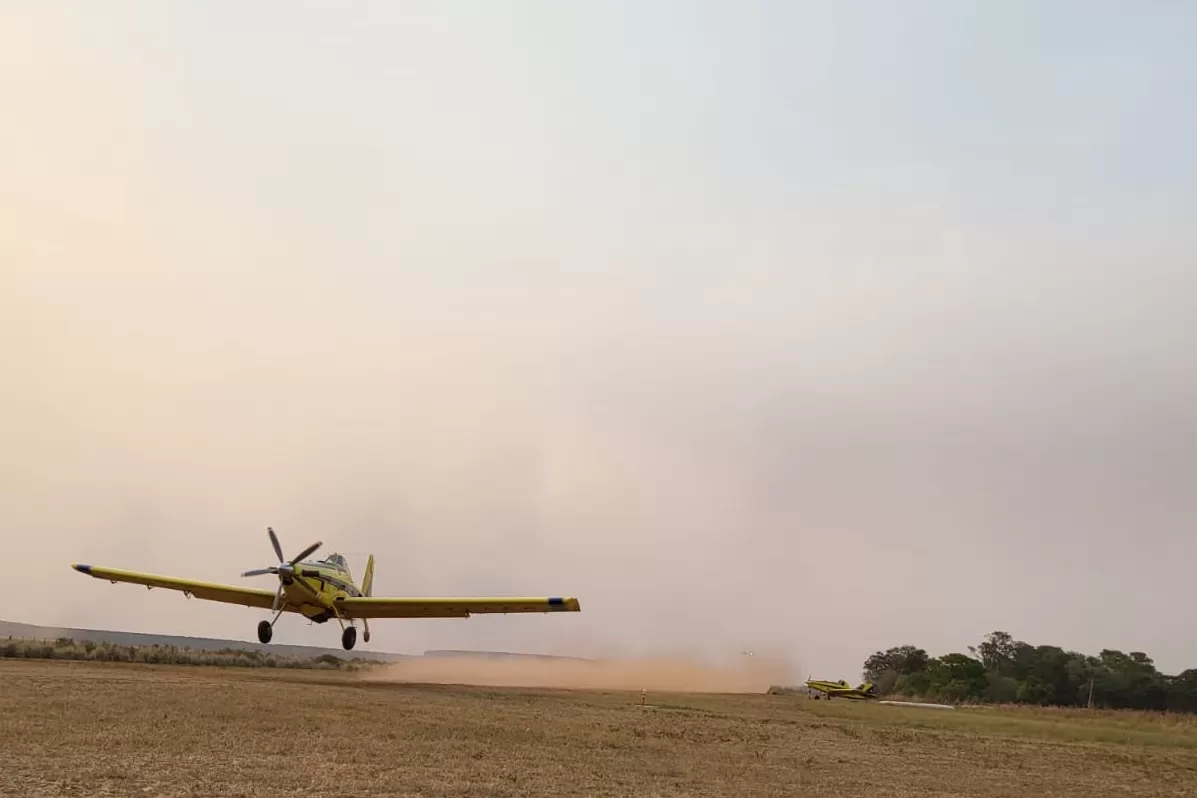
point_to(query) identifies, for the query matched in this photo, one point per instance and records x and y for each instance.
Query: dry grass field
(94, 729)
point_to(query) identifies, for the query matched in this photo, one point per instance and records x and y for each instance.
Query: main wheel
(348, 637)
(265, 631)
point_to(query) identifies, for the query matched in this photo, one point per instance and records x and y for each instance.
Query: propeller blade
(260, 571)
(307, 551)
(274, 542)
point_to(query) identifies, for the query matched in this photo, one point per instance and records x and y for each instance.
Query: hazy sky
(806, 327)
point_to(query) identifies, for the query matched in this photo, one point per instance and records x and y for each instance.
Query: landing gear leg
(348, 633)
(266, 628)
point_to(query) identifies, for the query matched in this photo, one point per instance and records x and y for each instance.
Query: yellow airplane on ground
(842, 689)
(324, 589)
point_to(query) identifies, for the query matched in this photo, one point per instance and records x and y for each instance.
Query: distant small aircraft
(841, 689)
(324, 589)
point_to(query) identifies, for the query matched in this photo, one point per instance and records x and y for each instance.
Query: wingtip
(81, 568)
(565, 604)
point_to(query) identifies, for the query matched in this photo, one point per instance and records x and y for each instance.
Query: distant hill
(30, 632)
(27, 631)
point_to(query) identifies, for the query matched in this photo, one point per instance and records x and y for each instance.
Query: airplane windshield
(337, 560)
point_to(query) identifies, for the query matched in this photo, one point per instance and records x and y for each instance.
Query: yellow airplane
(324, 589)
(841, 689)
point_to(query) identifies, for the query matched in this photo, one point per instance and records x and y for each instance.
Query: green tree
(1000, 689)
(1131, 681)
(1182, 691)
(902, 660)
(1004, 669)
(997, 653)
(913, 685)
(1022, 660)
(956, 677)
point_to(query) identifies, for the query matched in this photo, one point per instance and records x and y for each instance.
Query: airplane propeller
(285, 569)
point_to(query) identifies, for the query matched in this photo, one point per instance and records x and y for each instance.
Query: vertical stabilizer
(368, 578)
(367, 590)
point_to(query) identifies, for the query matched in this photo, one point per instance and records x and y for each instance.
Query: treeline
(1004, 670)
(66, 648)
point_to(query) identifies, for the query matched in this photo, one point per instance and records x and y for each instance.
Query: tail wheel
(348, 637)
(265, 632)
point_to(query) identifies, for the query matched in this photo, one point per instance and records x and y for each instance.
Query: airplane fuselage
(327, 584)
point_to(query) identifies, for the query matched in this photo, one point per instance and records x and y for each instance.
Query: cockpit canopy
(337, 561)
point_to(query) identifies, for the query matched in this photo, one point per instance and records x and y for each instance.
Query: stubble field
(88, 729)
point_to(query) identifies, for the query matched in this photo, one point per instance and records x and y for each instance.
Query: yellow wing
(370, 607)
(208, 591)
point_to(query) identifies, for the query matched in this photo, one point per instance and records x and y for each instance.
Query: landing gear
(348, 631)
(266, 628)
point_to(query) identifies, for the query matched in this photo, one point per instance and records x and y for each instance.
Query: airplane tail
(367, 587)
(867, 687)
(368, 578)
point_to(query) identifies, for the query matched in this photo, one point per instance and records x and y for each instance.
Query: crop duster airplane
(324, 589)
(842, 689)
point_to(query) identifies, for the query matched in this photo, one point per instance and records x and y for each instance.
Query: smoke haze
(812, 331)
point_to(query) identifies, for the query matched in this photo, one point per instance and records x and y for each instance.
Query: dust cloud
(754, 675)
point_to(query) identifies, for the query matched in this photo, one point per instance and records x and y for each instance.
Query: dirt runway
(755, 675)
